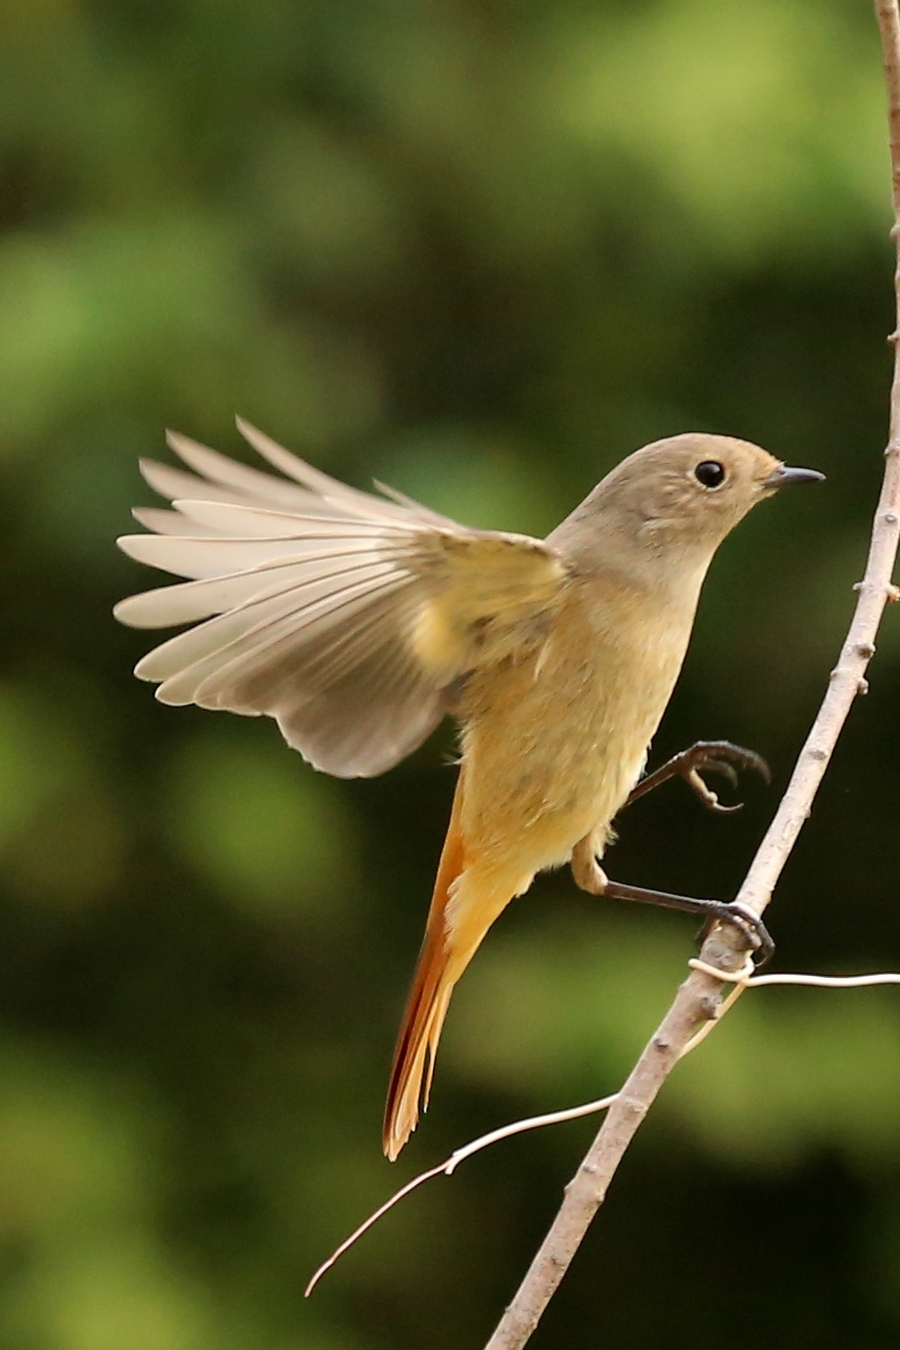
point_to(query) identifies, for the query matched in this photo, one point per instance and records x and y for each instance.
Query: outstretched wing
(341, 614)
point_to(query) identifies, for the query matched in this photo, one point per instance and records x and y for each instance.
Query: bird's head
(677, 499)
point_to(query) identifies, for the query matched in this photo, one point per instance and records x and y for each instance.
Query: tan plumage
(358, 621)
(340, 614)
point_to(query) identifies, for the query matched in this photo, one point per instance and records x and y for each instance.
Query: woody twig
(698, 999)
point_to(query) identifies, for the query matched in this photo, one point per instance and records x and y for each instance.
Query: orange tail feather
(469, 893)
(436, 974)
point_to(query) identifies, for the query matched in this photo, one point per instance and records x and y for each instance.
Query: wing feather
(168, 522)
(214, 677)
(241, 521)
(342, 615)
(364, 503)
(191, 601)
(173, 483)
(308, 608)
(238, 481)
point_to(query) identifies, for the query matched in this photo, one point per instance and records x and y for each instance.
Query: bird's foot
(721, 757)
(740, 916)
(746, 921)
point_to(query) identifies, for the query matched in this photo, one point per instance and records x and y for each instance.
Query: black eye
(710, 473)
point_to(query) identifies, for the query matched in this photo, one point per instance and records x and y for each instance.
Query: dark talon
(740, 916)
(751, 925)
(721, 766)
(721, 757)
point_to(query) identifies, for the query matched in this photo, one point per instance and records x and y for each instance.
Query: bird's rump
(341, 614)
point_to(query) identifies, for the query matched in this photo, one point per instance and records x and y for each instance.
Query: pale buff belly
(553, 746)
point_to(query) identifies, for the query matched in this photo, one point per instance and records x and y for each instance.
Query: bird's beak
(783, 474)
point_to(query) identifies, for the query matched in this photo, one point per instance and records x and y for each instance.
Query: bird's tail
(462, 909)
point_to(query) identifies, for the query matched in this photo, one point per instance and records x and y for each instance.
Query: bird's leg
(590, 876)
(705, 756)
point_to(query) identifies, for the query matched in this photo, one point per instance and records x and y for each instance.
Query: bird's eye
(710, 473)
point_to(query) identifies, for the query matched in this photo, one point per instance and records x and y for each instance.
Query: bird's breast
(553, 744)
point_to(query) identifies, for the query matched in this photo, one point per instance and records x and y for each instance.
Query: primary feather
(343, 615)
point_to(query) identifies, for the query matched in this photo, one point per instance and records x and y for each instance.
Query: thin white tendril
(747, 979)
(449, 1166)
(741, 979)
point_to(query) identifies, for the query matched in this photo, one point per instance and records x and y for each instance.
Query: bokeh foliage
(479, 250)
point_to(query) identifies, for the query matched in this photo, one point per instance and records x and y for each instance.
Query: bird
(358, 622)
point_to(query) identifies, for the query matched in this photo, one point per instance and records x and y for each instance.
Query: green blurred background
(479, 249)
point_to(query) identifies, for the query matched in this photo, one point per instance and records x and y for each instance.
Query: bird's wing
(341, 614)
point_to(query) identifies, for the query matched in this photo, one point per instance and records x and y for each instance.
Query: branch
(698, 999)
(449, 1166)
(743, 979)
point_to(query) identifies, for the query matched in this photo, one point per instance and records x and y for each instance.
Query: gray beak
(784, 475)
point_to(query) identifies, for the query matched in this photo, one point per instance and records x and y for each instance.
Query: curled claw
(748, 922)
(723, 767)
(704, 791)
(739, 756)
(721, 757)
